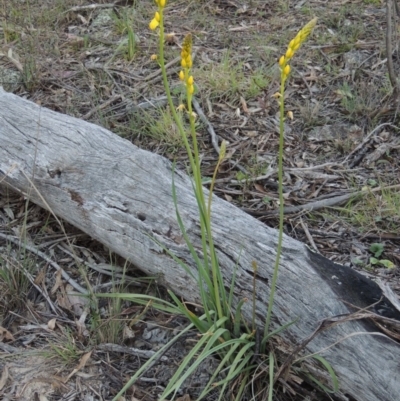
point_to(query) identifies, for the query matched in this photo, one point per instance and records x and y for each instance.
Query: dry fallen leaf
(58, 282)
(51, 324)
(5, 335)
(4, 377)
(81, 365)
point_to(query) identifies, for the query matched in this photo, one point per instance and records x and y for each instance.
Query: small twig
(367, 138)
(305, 81)
(207, 123)
(336, 200)
(43, 292)
(308, 235)
(141, 353)
(389, 50)
(90, 7)
(101, 106)
(214, 140)
(103, 268)
(34, 250)
(156, 76)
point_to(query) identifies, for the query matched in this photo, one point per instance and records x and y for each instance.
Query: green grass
(157, 124)
(229, 79)
(377, 211)
(14, 281)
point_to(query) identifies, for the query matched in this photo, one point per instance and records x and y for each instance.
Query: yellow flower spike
(286, 70)
(303, 34)
(295, 43)
(153, 24)
(181, 75)
(190, 80)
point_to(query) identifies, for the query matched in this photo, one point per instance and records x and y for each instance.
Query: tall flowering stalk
(293, 46)
(209, 271)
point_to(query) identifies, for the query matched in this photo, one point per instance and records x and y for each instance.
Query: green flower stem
(167, 89)
(195, 165)
(280, 182)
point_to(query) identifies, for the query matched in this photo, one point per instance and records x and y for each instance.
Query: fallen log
(121, 196)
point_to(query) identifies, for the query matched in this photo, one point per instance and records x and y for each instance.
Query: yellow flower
(190, 80)
(153, 57)
(282, 61)
(286, 70)
(181, 107)
(181, 75)
(183, 63)
(153, 24)
(289, 53)
(162, 3)
(191, 89)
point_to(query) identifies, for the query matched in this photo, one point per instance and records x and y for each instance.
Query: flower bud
(286, 70)
(289, 53)
(153, 24)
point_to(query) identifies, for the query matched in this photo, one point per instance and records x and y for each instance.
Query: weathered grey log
(121, 196)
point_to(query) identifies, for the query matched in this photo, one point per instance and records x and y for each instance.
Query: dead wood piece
(121, 196)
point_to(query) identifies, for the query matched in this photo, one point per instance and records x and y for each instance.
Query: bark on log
(121, 196)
